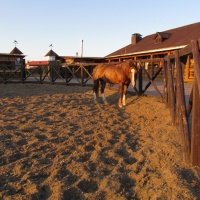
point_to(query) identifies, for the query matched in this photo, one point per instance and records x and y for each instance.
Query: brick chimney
(136, 37)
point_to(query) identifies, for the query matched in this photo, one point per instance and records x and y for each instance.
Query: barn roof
(171, 39)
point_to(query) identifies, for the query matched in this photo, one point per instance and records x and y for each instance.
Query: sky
(104, 25)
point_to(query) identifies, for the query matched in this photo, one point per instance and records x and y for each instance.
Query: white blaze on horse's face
(133, 77)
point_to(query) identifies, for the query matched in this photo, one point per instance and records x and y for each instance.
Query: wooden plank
(78, 64)
(140, 79)
(186, 50)
(196, 56)
(154, 85)
(171, 93)
(165, 82)
(182, 108)
(195, 150)
(152, 79)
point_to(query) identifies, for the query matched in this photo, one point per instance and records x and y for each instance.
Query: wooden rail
(175, 101)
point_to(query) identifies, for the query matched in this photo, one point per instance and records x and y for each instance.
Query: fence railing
(175, 100)
(79, 74)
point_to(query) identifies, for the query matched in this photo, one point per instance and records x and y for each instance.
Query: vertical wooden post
(52, 65)
(195, 149)
(183, 122)
(82, 75)
(171, 94)
(165, 92)
(22, 68)
(140, 79)
(66, 74)
(41, 72)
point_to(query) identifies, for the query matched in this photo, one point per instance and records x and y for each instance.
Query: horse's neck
(126, 68)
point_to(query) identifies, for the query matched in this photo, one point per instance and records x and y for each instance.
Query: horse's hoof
(120, 106)
(105, 102)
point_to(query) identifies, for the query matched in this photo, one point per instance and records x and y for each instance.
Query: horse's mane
(126, 64)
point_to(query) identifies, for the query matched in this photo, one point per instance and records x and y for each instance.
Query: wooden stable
(12, 65)
(159, 45)
(151, 62)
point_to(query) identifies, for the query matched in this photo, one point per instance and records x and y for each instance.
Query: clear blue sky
(104, 25)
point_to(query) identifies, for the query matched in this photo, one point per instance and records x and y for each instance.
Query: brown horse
(122, 73)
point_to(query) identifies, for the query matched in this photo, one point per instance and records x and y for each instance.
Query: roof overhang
(149, 51)
(11, 55)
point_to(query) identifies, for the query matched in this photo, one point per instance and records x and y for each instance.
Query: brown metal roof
(16, 51)
(52, 53)
(171, 39)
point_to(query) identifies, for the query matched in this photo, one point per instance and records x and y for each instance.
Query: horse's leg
(95, 90)
(103, 85)
(124, 94)
(121, 88)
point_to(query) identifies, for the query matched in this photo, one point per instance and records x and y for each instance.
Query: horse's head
(133, 72)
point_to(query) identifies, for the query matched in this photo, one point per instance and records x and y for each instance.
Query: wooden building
(11, 64)
(83, 60)
(158, 45)
(12, 59)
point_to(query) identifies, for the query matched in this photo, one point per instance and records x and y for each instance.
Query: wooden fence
(173, 87)
(182, 111)
(68, 74)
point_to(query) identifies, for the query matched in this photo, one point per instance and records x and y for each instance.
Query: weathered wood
(195, 150)
(165, 92)
(149, 60)
(171, 93)
(182, 108)
(154, 85)
(152, 79)
(196, 56)
(186, 50)
(140, 79)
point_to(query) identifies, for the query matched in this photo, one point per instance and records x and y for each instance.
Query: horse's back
(98, 71)
(110, 73)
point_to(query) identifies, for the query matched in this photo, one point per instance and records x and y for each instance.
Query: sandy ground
(56, 144)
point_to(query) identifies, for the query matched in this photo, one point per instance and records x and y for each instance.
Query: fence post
(165, 92)
(182, 109)
(140, 79)
(82, 75)
(170, 86)
(23, 72)
(195, 150)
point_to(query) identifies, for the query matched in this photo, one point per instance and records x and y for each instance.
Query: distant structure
(158, 45)
(82, 48)
(52, 56)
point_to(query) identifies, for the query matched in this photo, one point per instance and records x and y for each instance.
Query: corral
(56, 144)
(127, 153)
